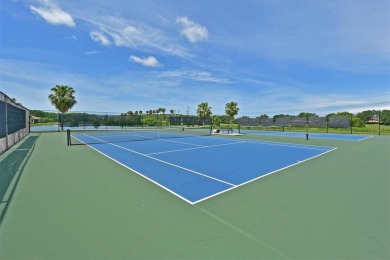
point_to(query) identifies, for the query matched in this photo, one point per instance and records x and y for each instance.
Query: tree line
(62, 97)
(359, 119)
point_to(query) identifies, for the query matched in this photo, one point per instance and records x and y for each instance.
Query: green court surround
(71, 202)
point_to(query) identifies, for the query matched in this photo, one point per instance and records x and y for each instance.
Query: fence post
(6, 123)
(327, 124)
(351, 123)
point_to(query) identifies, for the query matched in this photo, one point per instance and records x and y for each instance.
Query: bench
(228, 130)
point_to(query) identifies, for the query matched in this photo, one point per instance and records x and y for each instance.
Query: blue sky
(269, 56)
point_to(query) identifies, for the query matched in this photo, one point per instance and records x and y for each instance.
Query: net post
(68, 137)
(307, 124)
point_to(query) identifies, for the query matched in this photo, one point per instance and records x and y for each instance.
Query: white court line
(196, 148)
(171, 164)
(172, 141)
(365, 138)
(242, 232)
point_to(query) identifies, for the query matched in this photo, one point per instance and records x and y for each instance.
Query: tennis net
(77, 137)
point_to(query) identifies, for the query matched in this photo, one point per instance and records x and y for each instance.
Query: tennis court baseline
(198, 168)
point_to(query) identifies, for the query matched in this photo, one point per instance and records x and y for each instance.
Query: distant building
(374, 121)
(35, 119)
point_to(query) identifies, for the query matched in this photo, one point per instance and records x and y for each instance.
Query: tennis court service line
(299, 146)
(304, 146)
(169, 140)
(195, 148)
(171, 164)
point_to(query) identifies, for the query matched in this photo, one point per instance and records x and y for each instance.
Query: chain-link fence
(55, 121)
(328, 124)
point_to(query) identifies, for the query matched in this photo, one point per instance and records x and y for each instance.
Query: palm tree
(63, 99)
(231, 110)
(204, 110)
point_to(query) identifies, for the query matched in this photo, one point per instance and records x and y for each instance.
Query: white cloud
(119, 31)
(92, 52)
(129, 36)
(148, 61)
(100, 38)
(192, 31)
(52, 13)
(193, 75)
(72, 38)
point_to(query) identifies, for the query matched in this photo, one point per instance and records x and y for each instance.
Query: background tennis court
(345, 137)
(72, 202)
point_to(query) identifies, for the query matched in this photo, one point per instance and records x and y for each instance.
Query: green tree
(74, 123)
(264, 116)
(96, 123)
(306, 114)
(63, 99)
(385, 117)
(204, 110)
(231, 109)
(368, 115)
(339, 114)
(216, 121)
(281, 116)
(358, 122)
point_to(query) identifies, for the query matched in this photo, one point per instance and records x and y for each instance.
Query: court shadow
(11, 167)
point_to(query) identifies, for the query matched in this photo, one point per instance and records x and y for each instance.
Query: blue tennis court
(329, 136)
(197, 168)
